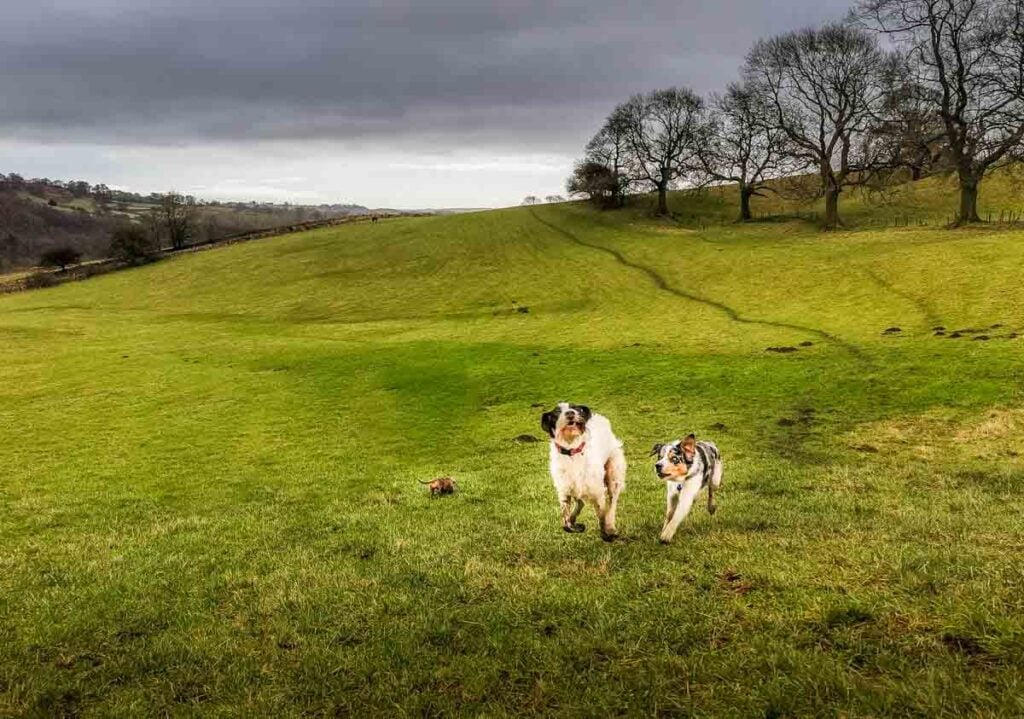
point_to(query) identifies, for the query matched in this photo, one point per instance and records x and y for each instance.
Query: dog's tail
(427, 482)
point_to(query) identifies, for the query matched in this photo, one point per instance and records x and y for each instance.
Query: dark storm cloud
(444, 73)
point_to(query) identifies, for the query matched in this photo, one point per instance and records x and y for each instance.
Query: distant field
(210, 499)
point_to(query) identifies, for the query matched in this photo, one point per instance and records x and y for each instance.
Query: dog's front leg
(686, 495)
(576, 513)
(671, 498)
(571, 508)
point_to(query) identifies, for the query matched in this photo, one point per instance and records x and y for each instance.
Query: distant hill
(446, 210)
(40, 214)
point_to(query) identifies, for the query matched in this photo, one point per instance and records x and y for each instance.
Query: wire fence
(1011, 217)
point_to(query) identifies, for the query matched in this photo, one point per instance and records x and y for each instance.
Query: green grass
(210, 500)
(931, 202)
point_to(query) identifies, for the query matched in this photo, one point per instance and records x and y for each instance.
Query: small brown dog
(440, 486)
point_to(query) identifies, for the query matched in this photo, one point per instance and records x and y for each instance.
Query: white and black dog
(587, 465)
(686, 466)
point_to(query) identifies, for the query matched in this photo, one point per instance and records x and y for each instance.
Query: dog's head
(674, 458)
(566, 422)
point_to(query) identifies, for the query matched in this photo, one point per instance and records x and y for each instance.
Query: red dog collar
(570, 452)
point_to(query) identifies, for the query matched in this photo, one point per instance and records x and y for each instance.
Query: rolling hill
(210, 498)
(41, 214)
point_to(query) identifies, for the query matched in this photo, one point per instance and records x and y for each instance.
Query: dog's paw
(609, 537)
(712, 509)
(576, 528)
(664, 540)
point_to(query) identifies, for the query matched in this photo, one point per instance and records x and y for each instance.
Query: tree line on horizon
(945, 95)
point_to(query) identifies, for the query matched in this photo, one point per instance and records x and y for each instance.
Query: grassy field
(210, 503)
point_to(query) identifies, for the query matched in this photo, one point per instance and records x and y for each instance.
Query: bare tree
(154, 224)
(968, 55)
(132, 243)
(102, 194)
(663, 129)
(825, 90)
(79, 188)
(744, 146)
(553, 199)
(176, 214)
(611, 147)
(909, 126)
(531, 200)
(595, 180)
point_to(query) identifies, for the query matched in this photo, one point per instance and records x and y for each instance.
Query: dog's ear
(548, 420)
(585, 412)
(656, 450)
(689, 446)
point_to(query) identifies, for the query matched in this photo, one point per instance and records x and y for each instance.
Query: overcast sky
(461, 103)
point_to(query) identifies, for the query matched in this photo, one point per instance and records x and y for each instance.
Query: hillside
(40, 214)
(210, 496)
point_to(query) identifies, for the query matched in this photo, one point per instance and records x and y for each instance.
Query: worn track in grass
(662, 284)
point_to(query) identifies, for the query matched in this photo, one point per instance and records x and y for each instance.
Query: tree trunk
(662, 198)
(832, 207)
(745, 194)
(968, 199)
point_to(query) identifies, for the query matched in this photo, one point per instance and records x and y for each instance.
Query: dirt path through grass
(662, 284)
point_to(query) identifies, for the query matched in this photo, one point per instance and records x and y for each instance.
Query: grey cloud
(441, 73)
